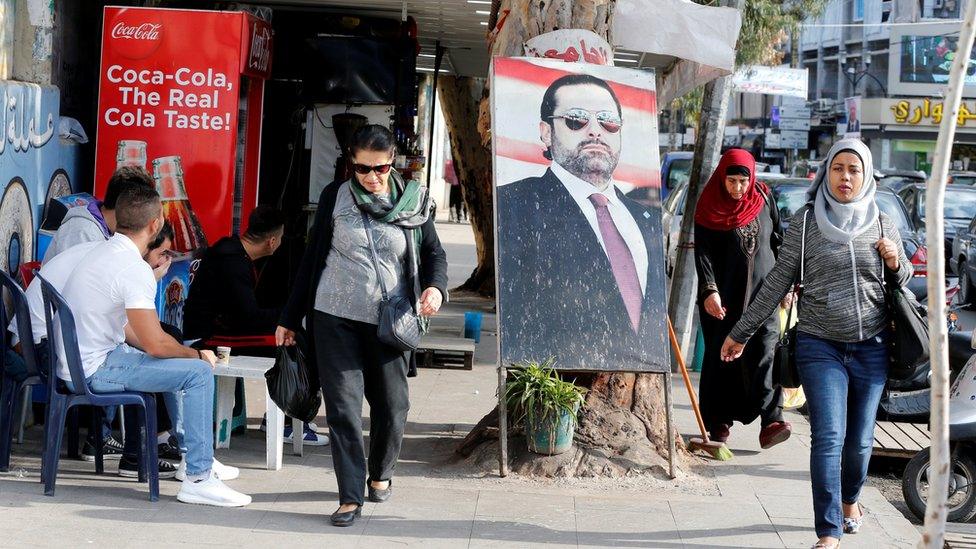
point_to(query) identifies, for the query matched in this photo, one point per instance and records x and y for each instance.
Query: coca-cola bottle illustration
(168, 173)
(131, 153)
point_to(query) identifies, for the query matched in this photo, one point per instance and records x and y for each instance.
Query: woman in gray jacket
(850, 251)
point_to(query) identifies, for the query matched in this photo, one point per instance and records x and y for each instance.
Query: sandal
(851, 524)
(824, 545)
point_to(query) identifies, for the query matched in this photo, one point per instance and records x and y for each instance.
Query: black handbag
(909, 328)
(398, 325)
(786, 373)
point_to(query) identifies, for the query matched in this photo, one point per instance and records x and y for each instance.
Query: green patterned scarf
(409, 203)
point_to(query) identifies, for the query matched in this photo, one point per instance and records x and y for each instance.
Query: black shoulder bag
(399, 326)
(909, 328)
(787, 375)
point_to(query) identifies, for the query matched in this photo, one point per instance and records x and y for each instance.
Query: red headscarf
(717, 210)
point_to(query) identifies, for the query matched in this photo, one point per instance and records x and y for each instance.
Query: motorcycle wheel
(962, 486)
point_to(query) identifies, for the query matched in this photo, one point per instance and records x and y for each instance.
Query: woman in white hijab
(850, 251)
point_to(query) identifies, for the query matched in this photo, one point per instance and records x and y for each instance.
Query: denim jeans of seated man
(843, 383)
(129, 369)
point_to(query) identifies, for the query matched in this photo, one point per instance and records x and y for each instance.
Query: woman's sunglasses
(576, 119)
(363, 169)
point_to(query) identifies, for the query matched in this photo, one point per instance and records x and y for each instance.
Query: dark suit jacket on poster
(557, 295)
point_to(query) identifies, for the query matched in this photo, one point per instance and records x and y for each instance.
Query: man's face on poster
(587, 150)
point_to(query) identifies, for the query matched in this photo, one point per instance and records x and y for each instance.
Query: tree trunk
(460, 101)
(623, 426)
(933, 533)
(708, 145)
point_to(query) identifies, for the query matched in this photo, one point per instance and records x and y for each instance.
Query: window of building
(858, 15)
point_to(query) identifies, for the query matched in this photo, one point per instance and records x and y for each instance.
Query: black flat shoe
(347, 518)
(377, 495)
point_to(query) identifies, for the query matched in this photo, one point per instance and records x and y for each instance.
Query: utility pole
(708, 147)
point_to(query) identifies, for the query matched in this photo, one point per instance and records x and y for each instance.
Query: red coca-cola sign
(145, 31)
(134, 33)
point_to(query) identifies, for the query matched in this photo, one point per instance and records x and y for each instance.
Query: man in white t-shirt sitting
(112, 295)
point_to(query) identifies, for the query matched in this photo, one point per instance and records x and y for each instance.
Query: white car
(671, 214)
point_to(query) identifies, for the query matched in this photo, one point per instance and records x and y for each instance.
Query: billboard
(580, 264)
(920, 57)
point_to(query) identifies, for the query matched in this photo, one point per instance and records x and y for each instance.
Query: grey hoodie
(77, 227)
(843, 297)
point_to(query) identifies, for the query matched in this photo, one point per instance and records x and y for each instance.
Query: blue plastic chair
(8, 397)
(57, 315)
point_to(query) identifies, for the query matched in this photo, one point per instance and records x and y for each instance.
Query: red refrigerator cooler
(181, 94)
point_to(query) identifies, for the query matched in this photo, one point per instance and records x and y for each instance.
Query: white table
(250, 367)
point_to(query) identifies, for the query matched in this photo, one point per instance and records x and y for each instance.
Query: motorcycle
(908, 400)
(961, 503)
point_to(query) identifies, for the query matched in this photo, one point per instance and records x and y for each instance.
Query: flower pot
(550, 436)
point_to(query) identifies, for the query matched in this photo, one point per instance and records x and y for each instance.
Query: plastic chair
(8, 397)
(61, 323)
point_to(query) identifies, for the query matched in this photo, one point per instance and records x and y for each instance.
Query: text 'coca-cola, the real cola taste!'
(155, 88)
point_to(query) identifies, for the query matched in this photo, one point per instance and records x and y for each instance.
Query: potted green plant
(547, 404)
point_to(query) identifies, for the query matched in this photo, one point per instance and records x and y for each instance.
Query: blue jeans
(129, 369)
(843, 383)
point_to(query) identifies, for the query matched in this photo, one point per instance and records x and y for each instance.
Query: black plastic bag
(290, 385)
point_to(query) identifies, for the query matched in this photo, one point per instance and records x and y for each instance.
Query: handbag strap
(798, 287)
(884, 282)
(367, 226)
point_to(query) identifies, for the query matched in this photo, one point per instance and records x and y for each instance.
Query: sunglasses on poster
(576, 119)
(363, 169)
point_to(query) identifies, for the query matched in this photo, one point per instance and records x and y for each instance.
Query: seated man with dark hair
(222, 299)
(112, 293)
(96, 223)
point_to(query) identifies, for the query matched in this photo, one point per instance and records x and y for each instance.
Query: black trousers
(352, 364)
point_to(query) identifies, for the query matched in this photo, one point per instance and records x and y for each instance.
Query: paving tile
(513, 533)
(654, 527)
(782, 506)
(731, 524)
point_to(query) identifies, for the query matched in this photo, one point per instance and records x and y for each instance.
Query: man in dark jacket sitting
(222, 299)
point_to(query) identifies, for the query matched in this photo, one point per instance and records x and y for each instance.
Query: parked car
(806, 169)
(963, 261)
(962, 178)
(672, 211)
(896, 180)
(675, 167)
(958, 211)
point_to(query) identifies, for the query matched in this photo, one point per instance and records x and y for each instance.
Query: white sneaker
(223, 472)
(211, 492)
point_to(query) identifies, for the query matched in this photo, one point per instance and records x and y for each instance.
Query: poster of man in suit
(580, 265)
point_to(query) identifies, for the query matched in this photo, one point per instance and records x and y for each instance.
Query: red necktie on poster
(621, 261)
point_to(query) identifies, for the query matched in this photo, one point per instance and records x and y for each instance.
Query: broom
(717, 450)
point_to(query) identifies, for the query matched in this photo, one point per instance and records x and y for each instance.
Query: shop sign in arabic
(23, 123)
(925, 112)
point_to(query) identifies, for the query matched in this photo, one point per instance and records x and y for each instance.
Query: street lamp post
(855, 76)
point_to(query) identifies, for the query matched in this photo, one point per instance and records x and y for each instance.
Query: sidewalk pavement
(759, 499)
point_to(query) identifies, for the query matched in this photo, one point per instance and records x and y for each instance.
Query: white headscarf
(837, 221)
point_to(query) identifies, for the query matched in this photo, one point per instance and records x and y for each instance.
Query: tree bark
(936, 510)
(461, 100)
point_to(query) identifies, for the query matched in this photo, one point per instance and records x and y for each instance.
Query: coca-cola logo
(144, 31)
(260, 49)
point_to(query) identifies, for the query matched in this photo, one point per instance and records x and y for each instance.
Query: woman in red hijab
(737, 235)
